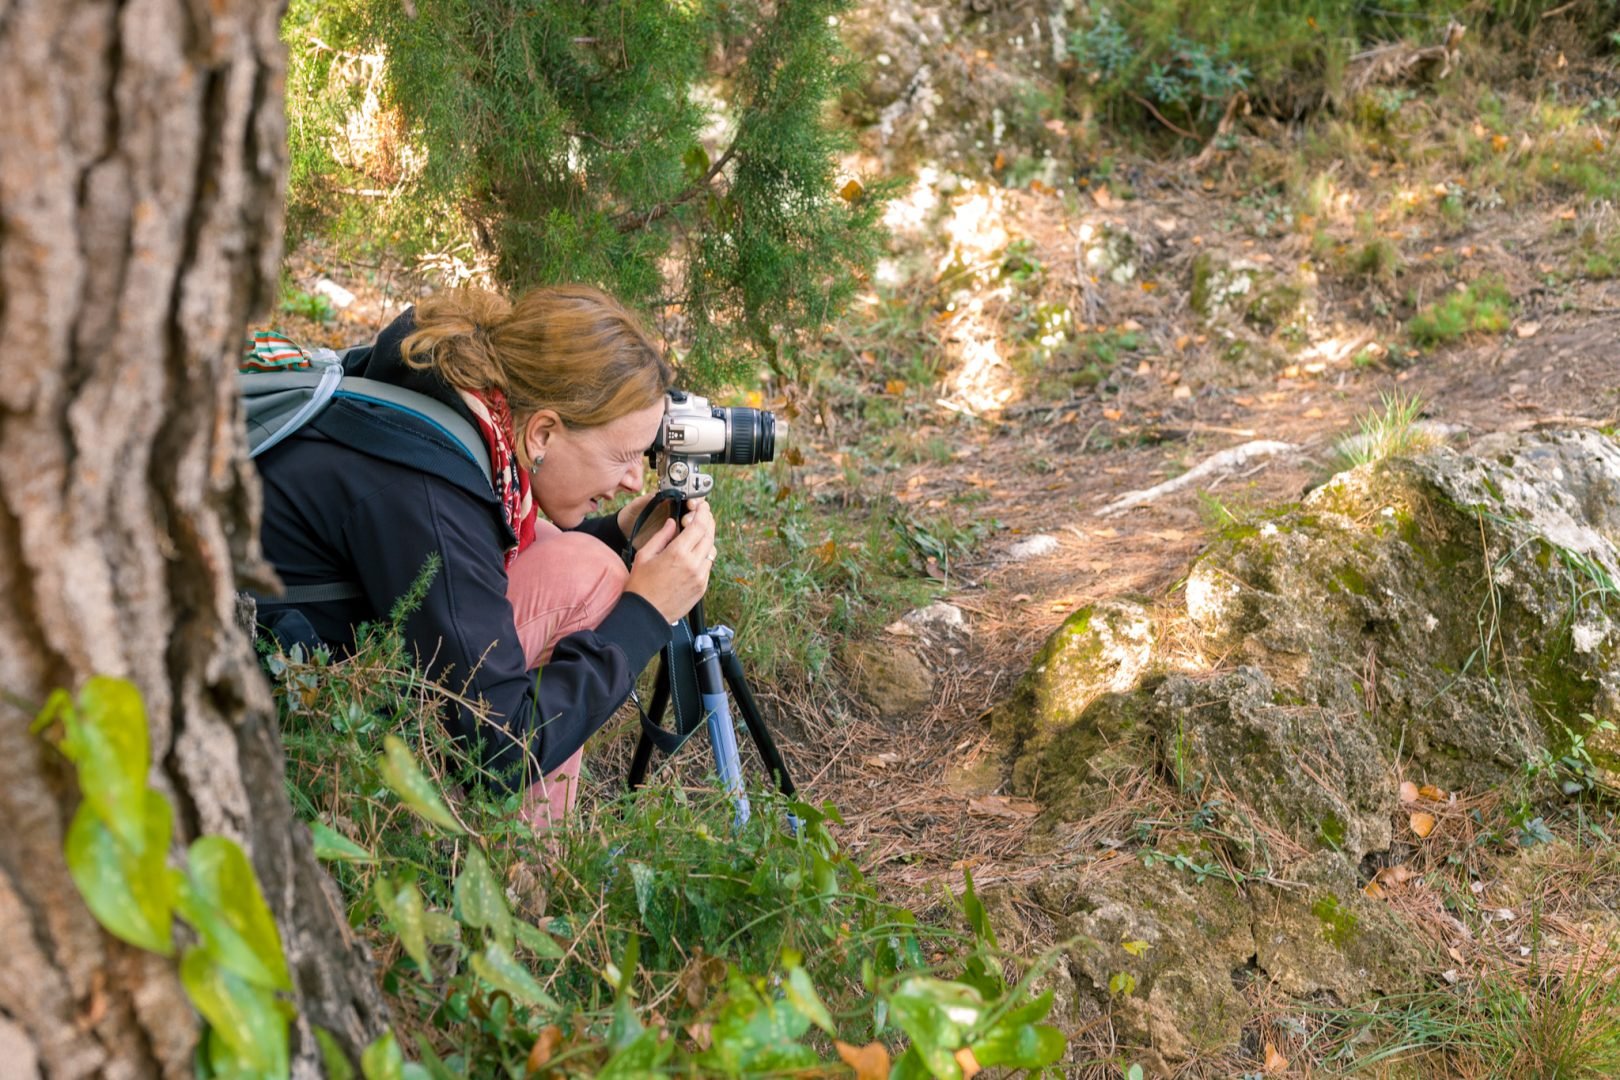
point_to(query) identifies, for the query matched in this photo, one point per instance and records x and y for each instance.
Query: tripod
(695, 670)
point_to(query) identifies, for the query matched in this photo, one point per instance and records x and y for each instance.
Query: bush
(1485, 307)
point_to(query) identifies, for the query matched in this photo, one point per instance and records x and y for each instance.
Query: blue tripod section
(722, 730)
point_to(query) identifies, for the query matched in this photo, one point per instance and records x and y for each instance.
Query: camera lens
(752, 436)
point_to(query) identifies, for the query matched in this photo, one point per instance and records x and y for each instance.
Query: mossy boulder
(1100, 649)
(1161, 949)
(1230, 290)
(889, 677)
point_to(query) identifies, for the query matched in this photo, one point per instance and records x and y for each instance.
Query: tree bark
(142, 164)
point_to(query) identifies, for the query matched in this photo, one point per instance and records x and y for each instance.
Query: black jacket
(366, 494)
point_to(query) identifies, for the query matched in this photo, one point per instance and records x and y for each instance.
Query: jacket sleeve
(605, 527)
(464, 635)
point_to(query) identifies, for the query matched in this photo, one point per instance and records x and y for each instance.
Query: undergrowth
(655, 937)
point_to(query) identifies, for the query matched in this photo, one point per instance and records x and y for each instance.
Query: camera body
(694, 433)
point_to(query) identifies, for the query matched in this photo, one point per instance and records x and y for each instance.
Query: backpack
(283, 388)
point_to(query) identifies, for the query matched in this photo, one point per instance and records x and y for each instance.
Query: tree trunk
(142, 163)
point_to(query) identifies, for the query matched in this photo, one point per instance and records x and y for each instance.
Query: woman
(531, 608)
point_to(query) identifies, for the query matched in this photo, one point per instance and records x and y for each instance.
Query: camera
(695, 433)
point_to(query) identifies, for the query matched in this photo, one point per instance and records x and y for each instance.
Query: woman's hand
(671, 570)
(631, 511)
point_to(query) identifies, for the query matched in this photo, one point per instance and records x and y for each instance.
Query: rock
(1109, 253)
(337, 294)
(1322, 933)
(890, 678)
(1099, 649)
(938, 621)
(1032, 547)
(1161, 949)
(1224, 291)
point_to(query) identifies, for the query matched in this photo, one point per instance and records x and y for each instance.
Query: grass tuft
(1485, 307)
(1393, 432)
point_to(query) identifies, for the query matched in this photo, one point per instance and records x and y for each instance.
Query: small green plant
(314, 306)
(1485, 307)
(1393, 431)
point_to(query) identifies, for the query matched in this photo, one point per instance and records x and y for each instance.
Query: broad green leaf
(1024, 1046)
(638, 1060)
(482, 903)
(106, 738)
(936, 1014)
(333, 846)
(382, 1060)
(1031, 1011)
(643, 878)
(403, 906)
(333, 1059)
(496, 967)
(131, 893)
(405, 778)
(221, 899)
(441, 928)
(802, 993)
(538, 941)
(246, 1018)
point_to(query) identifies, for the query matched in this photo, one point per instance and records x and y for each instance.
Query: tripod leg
(722, 731)
(768, 753)
(644, 745)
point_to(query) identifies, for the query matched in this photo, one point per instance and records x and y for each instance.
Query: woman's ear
(536, 436)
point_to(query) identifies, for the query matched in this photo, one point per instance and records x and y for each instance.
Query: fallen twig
(1240, 100)
(1229, 460)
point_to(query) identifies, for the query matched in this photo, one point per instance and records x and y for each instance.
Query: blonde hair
(569, 348)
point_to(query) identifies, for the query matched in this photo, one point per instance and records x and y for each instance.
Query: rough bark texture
(142, 158)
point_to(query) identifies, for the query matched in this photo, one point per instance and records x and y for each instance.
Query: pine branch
(631, 221)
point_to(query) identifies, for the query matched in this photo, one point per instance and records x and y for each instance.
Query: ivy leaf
(129, 890)
(496, 967)
(244, 1017)
(801, 993)
(382, 1060)
(221, 898)
(105, 736)
(482, 903)
(1024, 1046)
(333, 846)
(403, 907)
(399, 770)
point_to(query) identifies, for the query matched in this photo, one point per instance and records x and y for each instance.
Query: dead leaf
(969, 1064)
(881, 761)
(870, 1062)
(1373, 890)
(702, 1034)
(1144, 368)
(1499, 143)
(1409, 791)
(851, 191)
(1527, 329)
(1182, 342)
(1000, 162)
(1432, 793)
(1102, 198)
(1422, 824)
(1003, 806)
(545, 1045)
(1314, 413)
(894, 387)
(1275, 1062)
(827, 552)
(1181, 393)
(1112, 414)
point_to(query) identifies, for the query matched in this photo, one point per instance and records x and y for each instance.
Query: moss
(1275, 306)
(1332, 831)
(1351, 580)
(1338, 925)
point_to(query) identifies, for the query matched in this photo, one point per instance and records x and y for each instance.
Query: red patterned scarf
(494, 418)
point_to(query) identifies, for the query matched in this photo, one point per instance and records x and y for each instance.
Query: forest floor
(1006, 383)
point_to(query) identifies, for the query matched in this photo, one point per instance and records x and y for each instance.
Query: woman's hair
(569, 348)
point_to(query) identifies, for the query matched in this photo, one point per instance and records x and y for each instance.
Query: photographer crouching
(532, 606)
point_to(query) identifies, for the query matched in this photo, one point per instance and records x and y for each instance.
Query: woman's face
(582, 468)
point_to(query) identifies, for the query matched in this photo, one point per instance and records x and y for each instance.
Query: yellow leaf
(1275, 1062)
(969, 1064)
(827, 552)
(894, 387)
(870, 1062)
(1432, 793)
(1499, 143)
(1374, 890)
(851, 191)
(1422, 824)
(1135, 948)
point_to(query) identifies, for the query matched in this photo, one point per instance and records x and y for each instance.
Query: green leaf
(221, 899)
(638, 1060)
(405, 778)
(333, 1059)
(333, 846)
(403, 907)
(538, 941)
(936, 1014)
(130, 892)
(106, 738)
(644, 880)
(1122, 983)
(801, 992)
(441, 928)
(496, 967)
(246, 1018)
(382, 1060)
(482, 903)
(1024, 1046)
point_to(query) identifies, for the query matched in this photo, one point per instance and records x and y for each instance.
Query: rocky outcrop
(1446, 619)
